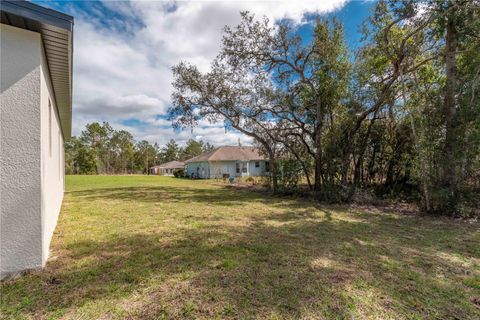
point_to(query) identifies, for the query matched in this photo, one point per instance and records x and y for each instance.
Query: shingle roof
(229, 153)
(170, 165)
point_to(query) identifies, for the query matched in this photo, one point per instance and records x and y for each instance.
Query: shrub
(463, 203)
(250, 180)
(179, 173)
(289, 175)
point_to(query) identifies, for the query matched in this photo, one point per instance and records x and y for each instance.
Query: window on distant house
(244, 167)
(238, 167)
(267, 166)
(257, 164)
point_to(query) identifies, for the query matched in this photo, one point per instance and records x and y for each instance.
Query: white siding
(219, 168)
(198, 169)
(256, 171)
(216, 169)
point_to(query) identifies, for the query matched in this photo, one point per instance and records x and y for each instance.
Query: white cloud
(123, 71)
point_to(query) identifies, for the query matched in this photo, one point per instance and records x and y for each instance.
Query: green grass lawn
(140, 247)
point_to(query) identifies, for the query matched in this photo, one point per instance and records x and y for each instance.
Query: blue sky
(124, 50)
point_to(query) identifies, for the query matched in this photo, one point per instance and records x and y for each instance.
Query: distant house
(35, 121)
(167, 169)
(228, 161)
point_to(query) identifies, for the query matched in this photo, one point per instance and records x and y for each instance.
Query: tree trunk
(304, 167)
(423, 166)
(346, 159)
(318, 169)
(421, 151)
(371, 165)
(318, 148)
(450, 107)
(273, 170)
(363, 148)
(390, 170)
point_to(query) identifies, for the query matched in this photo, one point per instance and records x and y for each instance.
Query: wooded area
(102, 150)
(399, 113)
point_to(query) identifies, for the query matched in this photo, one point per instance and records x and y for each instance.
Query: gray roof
(56, 29)
(171, 165)
(230, 153)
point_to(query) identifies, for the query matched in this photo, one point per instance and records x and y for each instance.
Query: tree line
(400, 113)
(100, 149)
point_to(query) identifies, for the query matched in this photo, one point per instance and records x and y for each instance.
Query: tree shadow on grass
(218, 196)
(299, 208)
(301, 262)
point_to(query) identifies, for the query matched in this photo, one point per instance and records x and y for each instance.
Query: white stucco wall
(20, 162)
(31, 181)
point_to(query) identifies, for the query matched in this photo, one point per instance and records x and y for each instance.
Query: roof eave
(56, 29)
